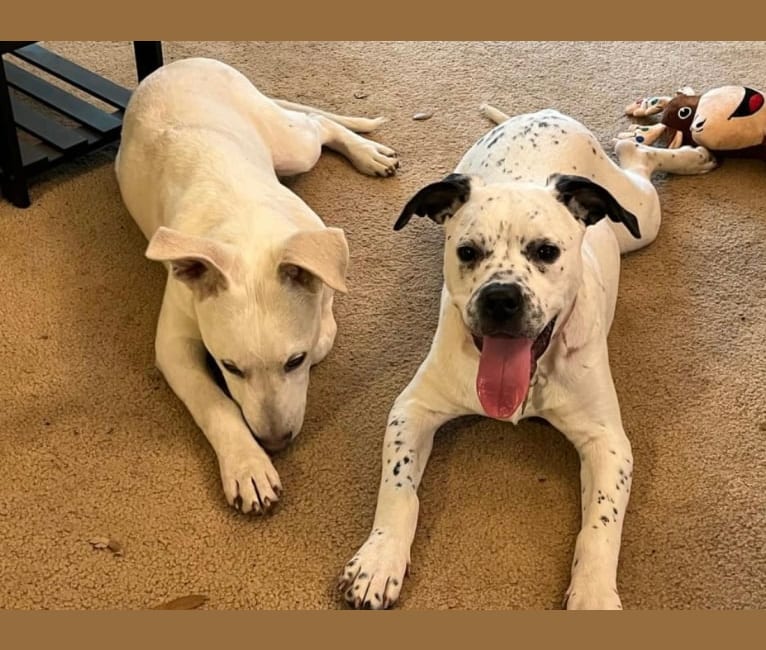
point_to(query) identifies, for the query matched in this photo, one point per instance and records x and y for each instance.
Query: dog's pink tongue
(503, 379)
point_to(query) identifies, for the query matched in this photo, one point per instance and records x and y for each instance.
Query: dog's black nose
(500, 302)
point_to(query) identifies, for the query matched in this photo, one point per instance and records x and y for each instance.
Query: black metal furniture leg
(148, 57)
(54, 141)
(14, 180)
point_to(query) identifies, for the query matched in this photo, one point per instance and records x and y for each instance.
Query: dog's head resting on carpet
(513, 262)
(259, 316)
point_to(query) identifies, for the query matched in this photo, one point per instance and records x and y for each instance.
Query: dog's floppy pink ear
(320, 253)
(202, 264)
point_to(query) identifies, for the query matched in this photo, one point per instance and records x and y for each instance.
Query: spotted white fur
(511, 201)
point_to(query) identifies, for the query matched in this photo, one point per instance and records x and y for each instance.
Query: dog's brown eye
(295, 361)
(547, 253)
(230, 367)
(467, 253)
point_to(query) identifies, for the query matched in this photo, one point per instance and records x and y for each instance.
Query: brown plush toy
(729, 121)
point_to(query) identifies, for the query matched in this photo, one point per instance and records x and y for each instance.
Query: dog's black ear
(589, 202)
(437, 201)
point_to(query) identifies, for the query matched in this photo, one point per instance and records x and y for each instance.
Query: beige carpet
(94, 444)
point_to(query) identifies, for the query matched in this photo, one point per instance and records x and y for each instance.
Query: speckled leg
(372, 579)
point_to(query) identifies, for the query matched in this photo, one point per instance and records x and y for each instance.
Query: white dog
(530, 282)
(252, 268)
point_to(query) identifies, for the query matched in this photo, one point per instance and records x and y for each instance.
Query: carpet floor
(94, 444)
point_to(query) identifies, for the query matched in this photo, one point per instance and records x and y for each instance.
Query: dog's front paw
(374, 159)
(250, 482)
(591, 596)
(373, 577)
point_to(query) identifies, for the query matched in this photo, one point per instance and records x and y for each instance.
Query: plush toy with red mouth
(729, 121)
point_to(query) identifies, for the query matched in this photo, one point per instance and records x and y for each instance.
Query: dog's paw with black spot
(373, 578)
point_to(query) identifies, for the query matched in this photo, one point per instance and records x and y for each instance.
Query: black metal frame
(20, 161)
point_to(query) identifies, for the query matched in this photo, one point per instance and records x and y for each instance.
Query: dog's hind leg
(367, 156)
(640, 162)
(645, 161)
(356, 124)
(296, 138)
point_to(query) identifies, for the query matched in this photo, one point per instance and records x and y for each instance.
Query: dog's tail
(356, 124)
(492, 113)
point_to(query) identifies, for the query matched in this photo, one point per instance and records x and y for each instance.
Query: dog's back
(192, 155)
(532, 146)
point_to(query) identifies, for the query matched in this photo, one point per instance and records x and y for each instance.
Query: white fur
(252, 268)
(572, 387)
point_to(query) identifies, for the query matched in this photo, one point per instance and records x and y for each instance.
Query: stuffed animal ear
(437, 201)
(204, 265)
(589, 202)
(313, 255)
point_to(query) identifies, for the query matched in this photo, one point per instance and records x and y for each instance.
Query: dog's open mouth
(506, 368)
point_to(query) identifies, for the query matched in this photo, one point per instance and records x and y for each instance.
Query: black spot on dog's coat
(495, 139)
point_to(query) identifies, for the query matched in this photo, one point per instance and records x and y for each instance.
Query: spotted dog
(531, 270)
